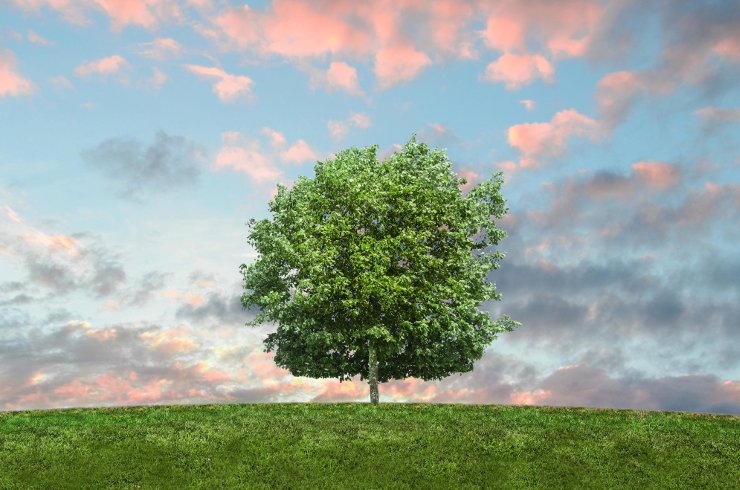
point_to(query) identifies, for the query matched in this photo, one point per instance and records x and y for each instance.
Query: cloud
(503, 34)
(339, 129)
(145, 13)
(277, 139)
(171, 341)
(472, 179)
(339, 76)
(126, 364)
(387, 152)
(169, 162)
(62, 82)
(515, 71)
(160, 48)
(292, 29)
(439, 134)
(660, 175)
(586, 386)
(697, 50)
(617, 92)
(228, 88)
(37, 39)
(71, 11)
(11, 83)
(139, 293)
(528, 104)
(243, 154)
(565, 29)
(61, 263)
(104, 66)
(500, 379)
(728, 46)
(399, 63)
(158, 78)
(298, 153)
(715, 117)
(403, 37)
(220, 307)
(537, 141)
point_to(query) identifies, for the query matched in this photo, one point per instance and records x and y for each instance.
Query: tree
(378, 268)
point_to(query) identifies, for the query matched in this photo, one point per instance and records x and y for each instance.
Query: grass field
(357, 445)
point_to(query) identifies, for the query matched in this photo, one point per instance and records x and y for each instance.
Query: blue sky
(138, 137)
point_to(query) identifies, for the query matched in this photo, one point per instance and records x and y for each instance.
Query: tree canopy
(378, 268)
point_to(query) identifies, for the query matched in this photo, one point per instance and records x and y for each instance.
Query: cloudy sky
(137, 138)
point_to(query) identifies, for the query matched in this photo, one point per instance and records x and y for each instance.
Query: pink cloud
(210, 374)
(299, 152)
(729, 47)
(302, 29)
(528, 104)
(37, 39)
(227, 87)
(660, 175)
(503, 34)
(61, 82)
(146, 13)
(276, 137)
(244, 155)
(10, 212)
(293, 29)
(515, 71)
(171, 341)
(334, 391)
(616, 93)
(188, 298)
(157, 79)
(338, 129)
(399, 63)
(104, 66)
(563, 28)
(299, 28)
(239, 26)
(71, 11)
(719, 114)
(64, 243)
(361, 120)
(344, 77)
(472, 179)
(537, 140)
(529, 397)
(446, 20)
(160, 48)
(262, 366)
(11, 83)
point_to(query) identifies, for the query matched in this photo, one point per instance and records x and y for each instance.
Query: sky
(138, 137)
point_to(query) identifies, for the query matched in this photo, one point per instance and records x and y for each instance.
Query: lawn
(357, 445)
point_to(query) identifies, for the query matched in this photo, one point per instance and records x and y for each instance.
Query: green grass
(357, 445)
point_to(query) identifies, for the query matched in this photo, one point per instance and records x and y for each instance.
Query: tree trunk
(373, 376)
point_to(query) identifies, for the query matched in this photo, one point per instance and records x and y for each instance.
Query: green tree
(378, 268)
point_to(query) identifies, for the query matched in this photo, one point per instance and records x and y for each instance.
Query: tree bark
(373, 376)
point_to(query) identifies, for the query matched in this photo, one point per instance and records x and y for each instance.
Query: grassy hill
(356, 445)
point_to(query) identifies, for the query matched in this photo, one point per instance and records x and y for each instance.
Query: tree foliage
(386, 255)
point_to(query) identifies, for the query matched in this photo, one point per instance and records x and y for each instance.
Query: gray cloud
(220, 307)
(501, 379)
(95, 271)
(688, 55)
(75, 364)
(169, 162)
(145, 288)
